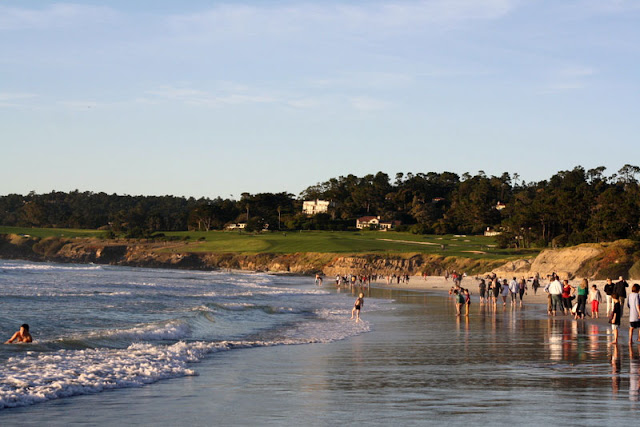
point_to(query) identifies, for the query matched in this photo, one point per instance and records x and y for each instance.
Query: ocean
(128, 346)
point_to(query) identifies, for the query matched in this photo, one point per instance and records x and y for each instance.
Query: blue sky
(206, 98)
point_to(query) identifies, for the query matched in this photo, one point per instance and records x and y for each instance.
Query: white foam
(28, 380)
(38, 377)
(274, 290)
(338, 325)
(173, 330)
(45, 267)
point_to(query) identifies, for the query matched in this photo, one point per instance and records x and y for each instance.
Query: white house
(367, 221)
(238, 226)
(312, 207)
(389, 225)
(491, 232)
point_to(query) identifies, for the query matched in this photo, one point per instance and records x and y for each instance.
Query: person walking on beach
(583, 294)
(22, 335)
(608, 290)
(555, 290)
(357, 306)
(459, 300)
(535, 285)
(620, 288)
(505, 291)
(634, 311)
(595, 297)
(615, 317)
(513, 289)
(522, 288)
(496, 290)
(567, 291)
(467, 302)
(482, 287)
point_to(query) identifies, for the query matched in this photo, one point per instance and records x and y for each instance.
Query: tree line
(572, 207)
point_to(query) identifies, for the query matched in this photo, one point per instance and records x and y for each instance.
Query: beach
(441, 285)
(411, 361)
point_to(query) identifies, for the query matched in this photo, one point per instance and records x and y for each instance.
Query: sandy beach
(442, 285)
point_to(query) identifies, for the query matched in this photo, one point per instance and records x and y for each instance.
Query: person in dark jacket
(620, 288)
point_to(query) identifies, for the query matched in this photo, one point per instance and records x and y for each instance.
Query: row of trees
(573, 206)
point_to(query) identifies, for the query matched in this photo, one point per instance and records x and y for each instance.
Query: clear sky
(207, 98)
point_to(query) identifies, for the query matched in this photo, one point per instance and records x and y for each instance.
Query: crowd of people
(563, 298)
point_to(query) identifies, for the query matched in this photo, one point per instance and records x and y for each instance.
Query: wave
(172, 330)
(66, 373)
(73, 372)
(47, 267)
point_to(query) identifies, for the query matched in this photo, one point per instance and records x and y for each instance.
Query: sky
(208, 98)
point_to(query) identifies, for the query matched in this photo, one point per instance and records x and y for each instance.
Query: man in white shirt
(554, 288)
(513, 290)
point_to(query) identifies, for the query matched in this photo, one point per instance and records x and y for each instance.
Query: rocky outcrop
(597, 261)
(592, 261)
(161, 255)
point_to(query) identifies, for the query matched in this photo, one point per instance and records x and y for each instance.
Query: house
(312, 207)
(491, 232)
(367, 222)
(389, 225)
(238, 226)
(500, 206)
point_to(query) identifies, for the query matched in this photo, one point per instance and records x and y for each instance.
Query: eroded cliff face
(596, 261)
(592, 261)
(160, 255)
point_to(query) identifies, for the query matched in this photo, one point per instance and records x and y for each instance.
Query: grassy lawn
(49, 232)
(346, 242)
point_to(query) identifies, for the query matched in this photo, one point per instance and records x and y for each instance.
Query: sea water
(125, 346)
(99, 328)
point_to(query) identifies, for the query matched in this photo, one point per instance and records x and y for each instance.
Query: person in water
(357, 306)
(22, 335)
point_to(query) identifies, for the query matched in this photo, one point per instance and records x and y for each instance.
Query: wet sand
(440, 285)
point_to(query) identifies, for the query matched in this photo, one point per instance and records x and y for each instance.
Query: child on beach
(615, 317)
(357, 306)
(595, 298)
(22, 335)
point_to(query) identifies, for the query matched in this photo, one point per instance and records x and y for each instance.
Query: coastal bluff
(595, 261)
(591, 260)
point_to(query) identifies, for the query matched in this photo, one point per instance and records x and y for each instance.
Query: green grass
(346, 242)
(342, 242)
(51, 232)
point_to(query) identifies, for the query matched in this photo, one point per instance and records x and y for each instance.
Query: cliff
(592, 260)
(137, 253)
(596, 261)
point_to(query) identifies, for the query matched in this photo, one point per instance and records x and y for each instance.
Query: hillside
(328, 252)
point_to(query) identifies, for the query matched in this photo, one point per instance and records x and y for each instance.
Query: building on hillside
(312, 207)
(238, 226)
(389, 225)
(489, 232)
(367, 222)
(500, 206)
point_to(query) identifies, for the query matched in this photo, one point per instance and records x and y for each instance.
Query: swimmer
(22, 335)
(357, 306)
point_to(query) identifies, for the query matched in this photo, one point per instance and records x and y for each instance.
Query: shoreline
(438, 284)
